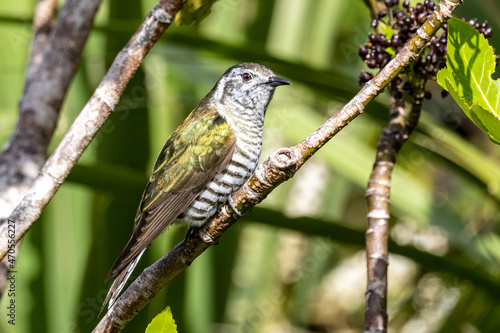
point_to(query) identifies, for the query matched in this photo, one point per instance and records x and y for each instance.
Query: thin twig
(279, 167)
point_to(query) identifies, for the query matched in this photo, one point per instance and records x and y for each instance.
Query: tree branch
(401, 125)
(93, 115)
(378, 191)
(279, 167)
(54, 57)
(53, 62)
(43, 22)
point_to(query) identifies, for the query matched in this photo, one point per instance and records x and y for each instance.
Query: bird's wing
(200, 148)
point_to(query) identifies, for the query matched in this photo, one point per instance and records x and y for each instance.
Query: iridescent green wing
(202, 146)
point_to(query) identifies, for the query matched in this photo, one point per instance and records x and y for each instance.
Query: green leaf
(467, 76)
(162, 323)
(387, 30)
(391, 51)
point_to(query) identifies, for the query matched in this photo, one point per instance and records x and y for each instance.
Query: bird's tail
(119, 283)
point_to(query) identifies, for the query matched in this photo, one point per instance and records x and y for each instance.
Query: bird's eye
(247, 77)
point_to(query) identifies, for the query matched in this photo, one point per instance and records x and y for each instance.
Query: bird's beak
(276, 81)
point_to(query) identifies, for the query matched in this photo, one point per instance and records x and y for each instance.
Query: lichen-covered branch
(90, 119)
(279, 167)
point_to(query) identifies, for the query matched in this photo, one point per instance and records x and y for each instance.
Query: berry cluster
(403, 22)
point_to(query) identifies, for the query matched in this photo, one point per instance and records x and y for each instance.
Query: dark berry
(405, 21)
(444, 93)
(363, 51)
(372, 63)
(364, 77)
(381, 39)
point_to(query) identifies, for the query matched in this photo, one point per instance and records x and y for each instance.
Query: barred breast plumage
(239, 170)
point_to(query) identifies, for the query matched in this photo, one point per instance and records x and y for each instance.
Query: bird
(211, 155)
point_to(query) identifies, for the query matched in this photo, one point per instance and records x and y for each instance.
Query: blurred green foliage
(296, 263)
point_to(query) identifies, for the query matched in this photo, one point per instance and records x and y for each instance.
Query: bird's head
(249, 85)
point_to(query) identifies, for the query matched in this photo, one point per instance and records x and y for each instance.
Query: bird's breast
(239, 170)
